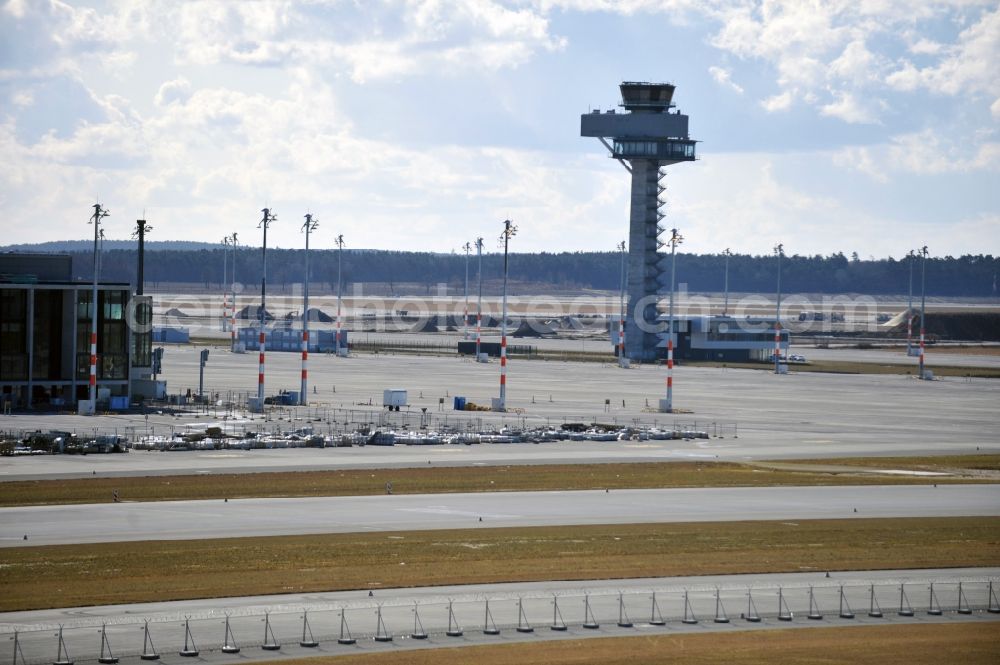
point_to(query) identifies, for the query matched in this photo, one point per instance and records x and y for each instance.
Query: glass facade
(112, 335)
(13, 334)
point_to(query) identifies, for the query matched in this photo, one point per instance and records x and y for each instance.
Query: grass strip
(360, 482)
(967, 643)
(109, 573)
(860, 367)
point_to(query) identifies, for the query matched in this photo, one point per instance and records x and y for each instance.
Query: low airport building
(45, 326)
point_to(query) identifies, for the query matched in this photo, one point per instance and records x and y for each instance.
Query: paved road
(175, 520)
(537, 605)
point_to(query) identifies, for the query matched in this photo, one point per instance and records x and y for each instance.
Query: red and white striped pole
(99, 214)
(305, 366)
(777, 342)
(670, 370)
(339, 242)
(508, 231)
(232, 289)
(264, 223)
(260, 369)
(479, 300)
(923, 305)
(93, 360)
(621, 340)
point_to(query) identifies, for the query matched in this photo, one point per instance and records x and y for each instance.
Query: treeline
(963, 276)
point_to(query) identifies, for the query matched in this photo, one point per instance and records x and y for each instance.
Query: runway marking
(445, 510)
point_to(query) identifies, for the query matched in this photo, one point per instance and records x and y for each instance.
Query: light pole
(465, 318)
(232, 288)
(923, 304)
(622, 361)
(339, 242)
(95, 219)
(675, 239)
(308, 227)
(508, 232)
(225, 275)
(264, 224)
(479, 305)
(725, 303)
(778, 252)
(909, 311)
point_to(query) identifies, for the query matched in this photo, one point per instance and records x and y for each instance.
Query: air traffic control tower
(648, 137)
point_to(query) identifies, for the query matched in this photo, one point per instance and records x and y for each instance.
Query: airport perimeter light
(310, 226)
(479, 302)
(263, 224)
(232, 288)
(675, 239)
(95, 219)
(339, 242)
(141, 229)
(909, 310)
(465, 317)
(923, 305)
(622, 361)
(509, 230)
(725, 302)
(779, 251)
(225, 276)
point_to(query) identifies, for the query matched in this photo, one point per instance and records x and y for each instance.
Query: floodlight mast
(263, 224)
(509, 230)
(95, 219)
(923, 306)
(465, 317)
(141, 229)
(232, 288)
(339, 242)
(225, 276)
(909, 310)
(622, 361)
(479, 302)
(725, 302)
(675, 239)
(779, 251)
(310, 225)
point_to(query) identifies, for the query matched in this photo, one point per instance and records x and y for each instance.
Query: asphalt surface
(750, 414)
(175, 520)
(532, 607)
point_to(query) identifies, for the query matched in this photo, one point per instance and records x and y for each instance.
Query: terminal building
(45, 323)
(720, 338)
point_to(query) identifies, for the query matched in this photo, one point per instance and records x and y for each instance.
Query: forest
(963, 276)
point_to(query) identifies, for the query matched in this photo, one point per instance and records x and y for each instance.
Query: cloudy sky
(848, 125)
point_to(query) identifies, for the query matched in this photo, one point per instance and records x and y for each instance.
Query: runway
(177, 520)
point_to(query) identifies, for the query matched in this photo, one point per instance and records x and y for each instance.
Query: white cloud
(779, 102)
(723, 78)
(849, 109)
(927, 152)
(177, 90)
(969, 66)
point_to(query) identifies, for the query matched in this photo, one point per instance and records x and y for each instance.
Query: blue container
(119, 403)
(292, 397)
(459, 403)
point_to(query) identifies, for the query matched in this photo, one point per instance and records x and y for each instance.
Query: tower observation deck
(649, 136)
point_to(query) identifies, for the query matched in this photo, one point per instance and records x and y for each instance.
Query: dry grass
(857, 367)
(108, 573)
(484, 479)
(966, 643)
